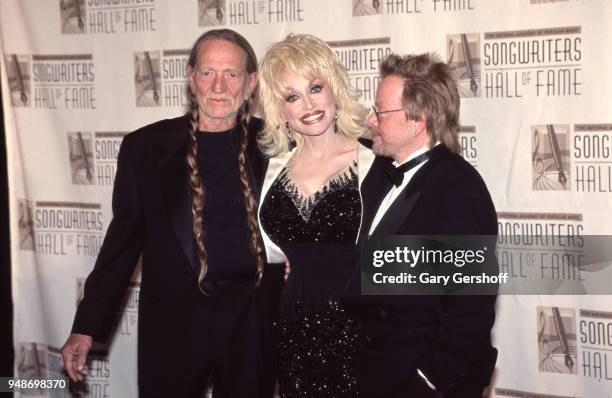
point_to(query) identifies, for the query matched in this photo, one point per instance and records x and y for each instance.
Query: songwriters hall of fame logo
(36, 360)
(93, 157)
(51, 81)
(366, 7)
(572, 157)
(73, 16)
(362, 8)
(250, 12)
(160, 78)
(550, 157)
(19, 79)
(40, 361)
(361, 58)
(25, 225)
(31, 360)
(463, 57)
(557, 350)
(60, 228)
(80, 149)
(147, 78)
(535, 62)
(107, 16)
(211, 12)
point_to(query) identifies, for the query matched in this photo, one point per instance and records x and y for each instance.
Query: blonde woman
(310, 209)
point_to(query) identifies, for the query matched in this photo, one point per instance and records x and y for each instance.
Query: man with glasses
(422, 346)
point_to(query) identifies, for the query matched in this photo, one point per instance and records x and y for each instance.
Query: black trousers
(389, 371)
(224, 341)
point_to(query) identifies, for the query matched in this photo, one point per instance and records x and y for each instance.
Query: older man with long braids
(185, 197)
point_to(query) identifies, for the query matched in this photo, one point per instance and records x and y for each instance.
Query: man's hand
(74, 353)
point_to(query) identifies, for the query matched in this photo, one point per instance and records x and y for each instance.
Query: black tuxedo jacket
(152, 217)
(446, 337)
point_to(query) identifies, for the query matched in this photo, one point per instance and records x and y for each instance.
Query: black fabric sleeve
(106, 285)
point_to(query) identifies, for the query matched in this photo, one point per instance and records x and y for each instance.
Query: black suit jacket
(448, 336)
(152, 217)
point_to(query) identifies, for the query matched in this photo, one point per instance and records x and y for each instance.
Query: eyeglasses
(378, 113)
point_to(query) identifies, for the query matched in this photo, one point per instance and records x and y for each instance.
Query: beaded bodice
(331, 214)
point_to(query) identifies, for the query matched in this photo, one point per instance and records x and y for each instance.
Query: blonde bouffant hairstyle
(309, 57)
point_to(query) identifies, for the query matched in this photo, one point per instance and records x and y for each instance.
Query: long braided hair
(198, 193)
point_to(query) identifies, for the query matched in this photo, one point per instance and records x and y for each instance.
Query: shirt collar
(415, 154)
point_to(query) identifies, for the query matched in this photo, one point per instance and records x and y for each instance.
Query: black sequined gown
(315, 337)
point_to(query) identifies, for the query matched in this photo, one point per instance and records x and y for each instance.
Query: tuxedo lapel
(396, 214)
(403, 205)
(418, 179)
(173, 179)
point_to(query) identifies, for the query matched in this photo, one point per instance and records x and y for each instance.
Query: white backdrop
(79, 74)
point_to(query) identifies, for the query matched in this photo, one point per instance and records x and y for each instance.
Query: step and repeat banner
(535, 81)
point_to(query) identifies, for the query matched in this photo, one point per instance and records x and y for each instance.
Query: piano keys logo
(550, 157)
(160, 78)
(463, 57)
(25, 225)
(557, 350)
(93, 157)
(107, 16)
(211, 12)
(361, 58)
(19, 79)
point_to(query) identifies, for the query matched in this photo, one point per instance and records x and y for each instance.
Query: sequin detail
(315, 338)
(316, 354)
(332, 214)
(306, 203)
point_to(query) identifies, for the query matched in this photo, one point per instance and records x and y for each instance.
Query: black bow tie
(396, 174)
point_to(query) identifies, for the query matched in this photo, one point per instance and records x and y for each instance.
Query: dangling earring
(336, 123)
(414, 132)
(289, 132)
